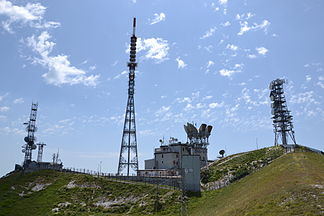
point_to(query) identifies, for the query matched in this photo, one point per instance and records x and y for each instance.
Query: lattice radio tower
(282, 119)
(30, 138)
(128, 152)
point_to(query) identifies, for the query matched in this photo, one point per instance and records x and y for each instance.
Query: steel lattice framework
(30, 138)
(128, 157)
(40, 151)
(282, 119)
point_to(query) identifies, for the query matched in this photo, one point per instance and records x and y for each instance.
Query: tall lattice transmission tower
(30, 138)
(282, 119)
(128, 152)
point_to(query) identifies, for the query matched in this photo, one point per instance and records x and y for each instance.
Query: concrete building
(181, 159)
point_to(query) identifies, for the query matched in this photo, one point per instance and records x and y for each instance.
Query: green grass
(287, 186)
(138, 199)
(292, 184)
(239, 165)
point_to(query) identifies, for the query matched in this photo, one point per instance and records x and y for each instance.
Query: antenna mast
(30, 138)
(40, 151)
(128, 157)
(282, 119)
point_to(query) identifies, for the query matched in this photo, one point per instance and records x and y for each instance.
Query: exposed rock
(65, 204)
(55, 210)
(39, 187)
(71, 185)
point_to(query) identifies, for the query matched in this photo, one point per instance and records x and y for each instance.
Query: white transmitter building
(181, 159)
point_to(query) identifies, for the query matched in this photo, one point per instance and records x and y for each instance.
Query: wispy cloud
(209, 33)
(246, 28)
(60, 70)
(232, 47)
(231, 71)
(215, 105)
(157, 18)
(155, 48)
(210, 63)
(4, 109)
(31, 14)
(181, 63)
(18, 101)
(121, 74)
(226, 24)
(3, 96)
(262, 50)
(222, 2)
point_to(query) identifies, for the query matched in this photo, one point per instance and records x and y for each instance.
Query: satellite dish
(208, 130)
(34, 146)
(23, 150)
(26, 139)
(202, 130)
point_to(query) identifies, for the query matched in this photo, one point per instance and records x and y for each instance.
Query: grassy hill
(291, 185)
(234, 167)
(55, 193)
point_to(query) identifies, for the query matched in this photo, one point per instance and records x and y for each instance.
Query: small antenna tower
(30, 138)
(282, 119)
(40, 151)
(128, 152)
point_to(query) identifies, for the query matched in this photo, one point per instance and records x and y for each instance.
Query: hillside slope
(56, 193)
(234, 167)
(291, 185)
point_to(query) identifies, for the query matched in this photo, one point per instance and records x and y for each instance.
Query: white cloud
(120, 74)
(209, 33)
(93, 67)
(156, 48)
(4, 109)
(261, 50)
(223, 2)
(229, 72)
(162, 110)
(14, 131)
(320, 82)
(304, 98)
(18, 101)
(210, 63)
(60, 70)
(3, 96)
(215, 105)
(31, 14)
(245, 27)
(226, 72)
(181, 63)
(226, 24)
(251, 56)
(308, 78)
(185, 99)
(207, 97)
(244, 16)
(157, 18)
(231, 47)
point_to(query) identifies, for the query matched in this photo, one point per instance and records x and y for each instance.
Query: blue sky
(199, 61)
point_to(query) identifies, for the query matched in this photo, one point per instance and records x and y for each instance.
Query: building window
(162, 155)
(162, 162)
(177, 155)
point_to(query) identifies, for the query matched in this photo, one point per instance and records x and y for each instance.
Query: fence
(173, 182)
